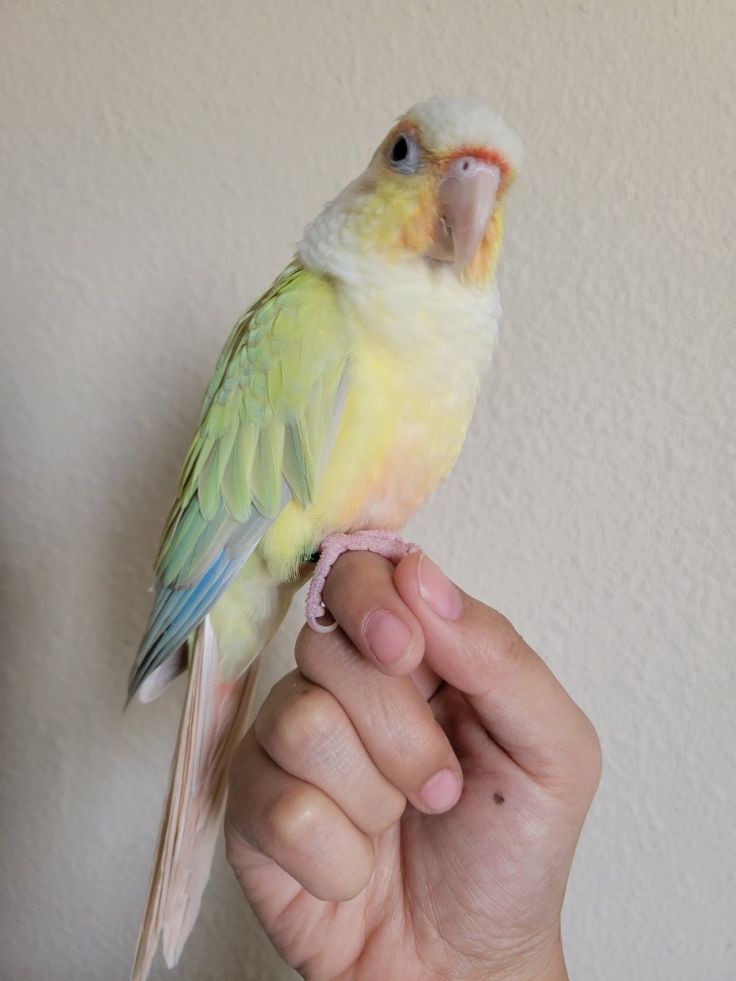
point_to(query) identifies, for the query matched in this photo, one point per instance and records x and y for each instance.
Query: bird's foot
(385, 543)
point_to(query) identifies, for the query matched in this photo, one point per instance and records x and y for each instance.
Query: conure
(340, 401)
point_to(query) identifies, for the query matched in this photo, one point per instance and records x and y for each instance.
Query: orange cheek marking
(416, 234)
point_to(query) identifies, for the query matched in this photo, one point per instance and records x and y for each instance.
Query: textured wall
(158, 163)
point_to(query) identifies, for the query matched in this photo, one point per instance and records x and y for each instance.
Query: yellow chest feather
(399, 436)
(419, 350)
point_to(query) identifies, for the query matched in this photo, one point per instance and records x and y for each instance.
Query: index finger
(361, 595)
(517, 698)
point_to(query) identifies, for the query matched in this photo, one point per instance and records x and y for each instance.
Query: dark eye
(403, 155)
(400, 150)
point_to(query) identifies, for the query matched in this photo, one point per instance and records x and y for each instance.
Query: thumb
(517, 698)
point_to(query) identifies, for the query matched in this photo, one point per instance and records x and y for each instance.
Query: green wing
(267, 416)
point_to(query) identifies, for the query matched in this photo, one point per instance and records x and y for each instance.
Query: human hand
(413, 818)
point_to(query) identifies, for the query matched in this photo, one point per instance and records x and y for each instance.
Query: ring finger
(305, 730)
(295, 825)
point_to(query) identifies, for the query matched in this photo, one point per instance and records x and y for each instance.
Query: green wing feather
(267, 413)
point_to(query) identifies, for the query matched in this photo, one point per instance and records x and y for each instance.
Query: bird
(340, 401)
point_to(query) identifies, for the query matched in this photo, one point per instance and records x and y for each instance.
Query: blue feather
(176, 612)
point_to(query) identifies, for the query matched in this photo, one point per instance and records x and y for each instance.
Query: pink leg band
(385, 543)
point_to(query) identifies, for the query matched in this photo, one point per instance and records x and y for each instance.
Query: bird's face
(436, 185)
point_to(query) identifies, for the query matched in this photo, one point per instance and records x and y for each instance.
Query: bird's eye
(403, 155)
(400, 150)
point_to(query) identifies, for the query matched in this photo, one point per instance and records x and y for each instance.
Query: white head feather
(446, 122)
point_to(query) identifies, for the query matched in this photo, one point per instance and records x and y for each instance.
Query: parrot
(340, 401)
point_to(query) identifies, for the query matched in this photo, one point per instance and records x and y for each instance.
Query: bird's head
(435, 188)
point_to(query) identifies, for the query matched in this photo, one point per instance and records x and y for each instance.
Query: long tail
(214, 718)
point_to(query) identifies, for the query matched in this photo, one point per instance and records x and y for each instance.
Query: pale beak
(467, 195)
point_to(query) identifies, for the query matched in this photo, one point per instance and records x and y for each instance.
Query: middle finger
(392, 719)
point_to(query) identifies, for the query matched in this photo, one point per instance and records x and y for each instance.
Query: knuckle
(301, 726)
(500, 646)
(509, 646)
(294, 818)
(493, 637)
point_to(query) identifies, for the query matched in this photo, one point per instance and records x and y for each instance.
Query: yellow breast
(406, 412)
(399, 437)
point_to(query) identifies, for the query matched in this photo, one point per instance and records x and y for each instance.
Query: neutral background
(158, 164)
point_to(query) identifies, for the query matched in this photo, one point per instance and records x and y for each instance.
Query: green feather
(266, 474)
(267, 414)
(207, 547)
(296, 469)
(236, 479)
(188, 531)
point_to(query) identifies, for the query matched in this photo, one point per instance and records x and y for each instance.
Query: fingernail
(441, 791)
(437, 590)
(388, 637)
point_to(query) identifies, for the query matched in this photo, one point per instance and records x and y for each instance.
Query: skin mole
(498, 797)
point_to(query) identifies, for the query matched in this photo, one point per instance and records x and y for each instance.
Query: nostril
(466, 166)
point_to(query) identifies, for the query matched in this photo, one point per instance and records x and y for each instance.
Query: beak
(467, 195)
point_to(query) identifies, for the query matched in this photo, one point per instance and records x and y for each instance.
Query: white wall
(158, 164)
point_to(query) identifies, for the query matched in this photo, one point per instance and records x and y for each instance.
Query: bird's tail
(214, 718)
